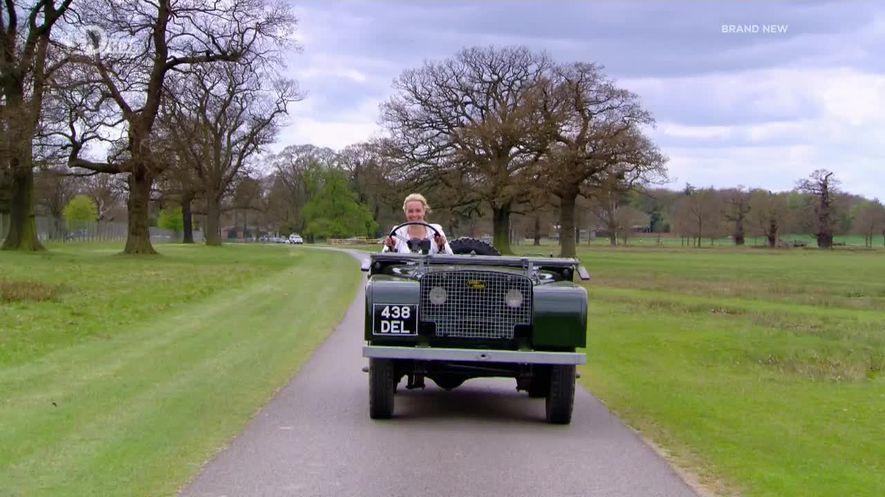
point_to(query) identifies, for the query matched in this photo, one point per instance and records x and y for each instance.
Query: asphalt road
(483, 439)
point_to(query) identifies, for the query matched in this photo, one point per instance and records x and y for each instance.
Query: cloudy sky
(740, 107)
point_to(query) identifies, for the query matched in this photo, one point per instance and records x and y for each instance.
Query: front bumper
(473, 355)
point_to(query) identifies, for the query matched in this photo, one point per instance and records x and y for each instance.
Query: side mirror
(582, 273)
(365, 265)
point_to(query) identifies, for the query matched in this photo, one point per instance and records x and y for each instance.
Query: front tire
(382, 386)
(561, 397)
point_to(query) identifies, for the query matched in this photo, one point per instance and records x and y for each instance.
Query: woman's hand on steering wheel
(438, 237)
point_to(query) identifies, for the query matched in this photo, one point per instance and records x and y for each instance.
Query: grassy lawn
(122, 375)
(761, 371)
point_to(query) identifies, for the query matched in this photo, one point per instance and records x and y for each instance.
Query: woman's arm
(446, 248)
(399, 245)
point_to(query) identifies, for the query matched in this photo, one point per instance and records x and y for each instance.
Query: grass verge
(762, 372)
(146, 367)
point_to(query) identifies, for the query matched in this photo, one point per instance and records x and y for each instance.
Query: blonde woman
(415, 208)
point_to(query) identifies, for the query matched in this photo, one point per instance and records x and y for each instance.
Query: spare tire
(467, 245)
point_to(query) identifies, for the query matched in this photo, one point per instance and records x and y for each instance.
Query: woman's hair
(413, 197)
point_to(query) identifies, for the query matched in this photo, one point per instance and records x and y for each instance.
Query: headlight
(513, 298)
(438, 295)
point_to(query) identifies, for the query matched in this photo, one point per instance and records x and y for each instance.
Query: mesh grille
(475, 305)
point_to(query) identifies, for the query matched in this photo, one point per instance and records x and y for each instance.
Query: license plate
(395, 320)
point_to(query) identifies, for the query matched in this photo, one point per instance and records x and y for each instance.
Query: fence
(49, 229)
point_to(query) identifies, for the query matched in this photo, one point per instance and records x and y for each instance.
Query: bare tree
(164, 37)
(475, 111)
(106, 192)
(54, 188)
(246, 199)
(821, 186)
(629, 219)
(869, 221)
(768, 215)
(608, 201)
(24, 74)
(219, 118)
(735, 209)
(698, 214)
(593, 128)
(605, 204)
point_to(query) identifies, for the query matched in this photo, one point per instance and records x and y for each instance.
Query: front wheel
(561, 397)
(382, 386)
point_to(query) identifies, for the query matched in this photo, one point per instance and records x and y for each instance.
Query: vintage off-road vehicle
(474, 314)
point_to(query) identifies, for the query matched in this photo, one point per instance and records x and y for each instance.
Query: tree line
(172, 105)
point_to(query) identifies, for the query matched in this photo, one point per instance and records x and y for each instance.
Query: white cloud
(771, 140)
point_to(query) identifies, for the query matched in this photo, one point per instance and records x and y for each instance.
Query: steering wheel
(414, 244)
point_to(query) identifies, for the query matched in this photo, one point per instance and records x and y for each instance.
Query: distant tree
(657, 203)
(372, 180)
(628, 218)
(54, 189)
(171, 219)
(334, 211)
(821, 187)
(698, 215)
(606, 204)
(247, 199)
(869, 221)
(107, 191)
(80, 210)
(610, 201)
(768, 215)
(735, 209)
(300, 169)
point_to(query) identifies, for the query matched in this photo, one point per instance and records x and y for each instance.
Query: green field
(760, 371)
(122, 375)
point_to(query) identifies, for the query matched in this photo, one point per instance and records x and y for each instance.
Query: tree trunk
(22, 234)
(537, 230)
(739, 232)
(213, 220)
(771, 235)
(825, 231)
(187, 218)
(612, 238)
(138, 235)
(567, 223)
(501, 228)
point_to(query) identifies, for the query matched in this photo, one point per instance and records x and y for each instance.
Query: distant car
(296, 239)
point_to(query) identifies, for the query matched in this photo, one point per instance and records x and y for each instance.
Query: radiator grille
(475, 305)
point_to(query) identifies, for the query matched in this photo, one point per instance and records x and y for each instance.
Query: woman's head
(415, 207)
